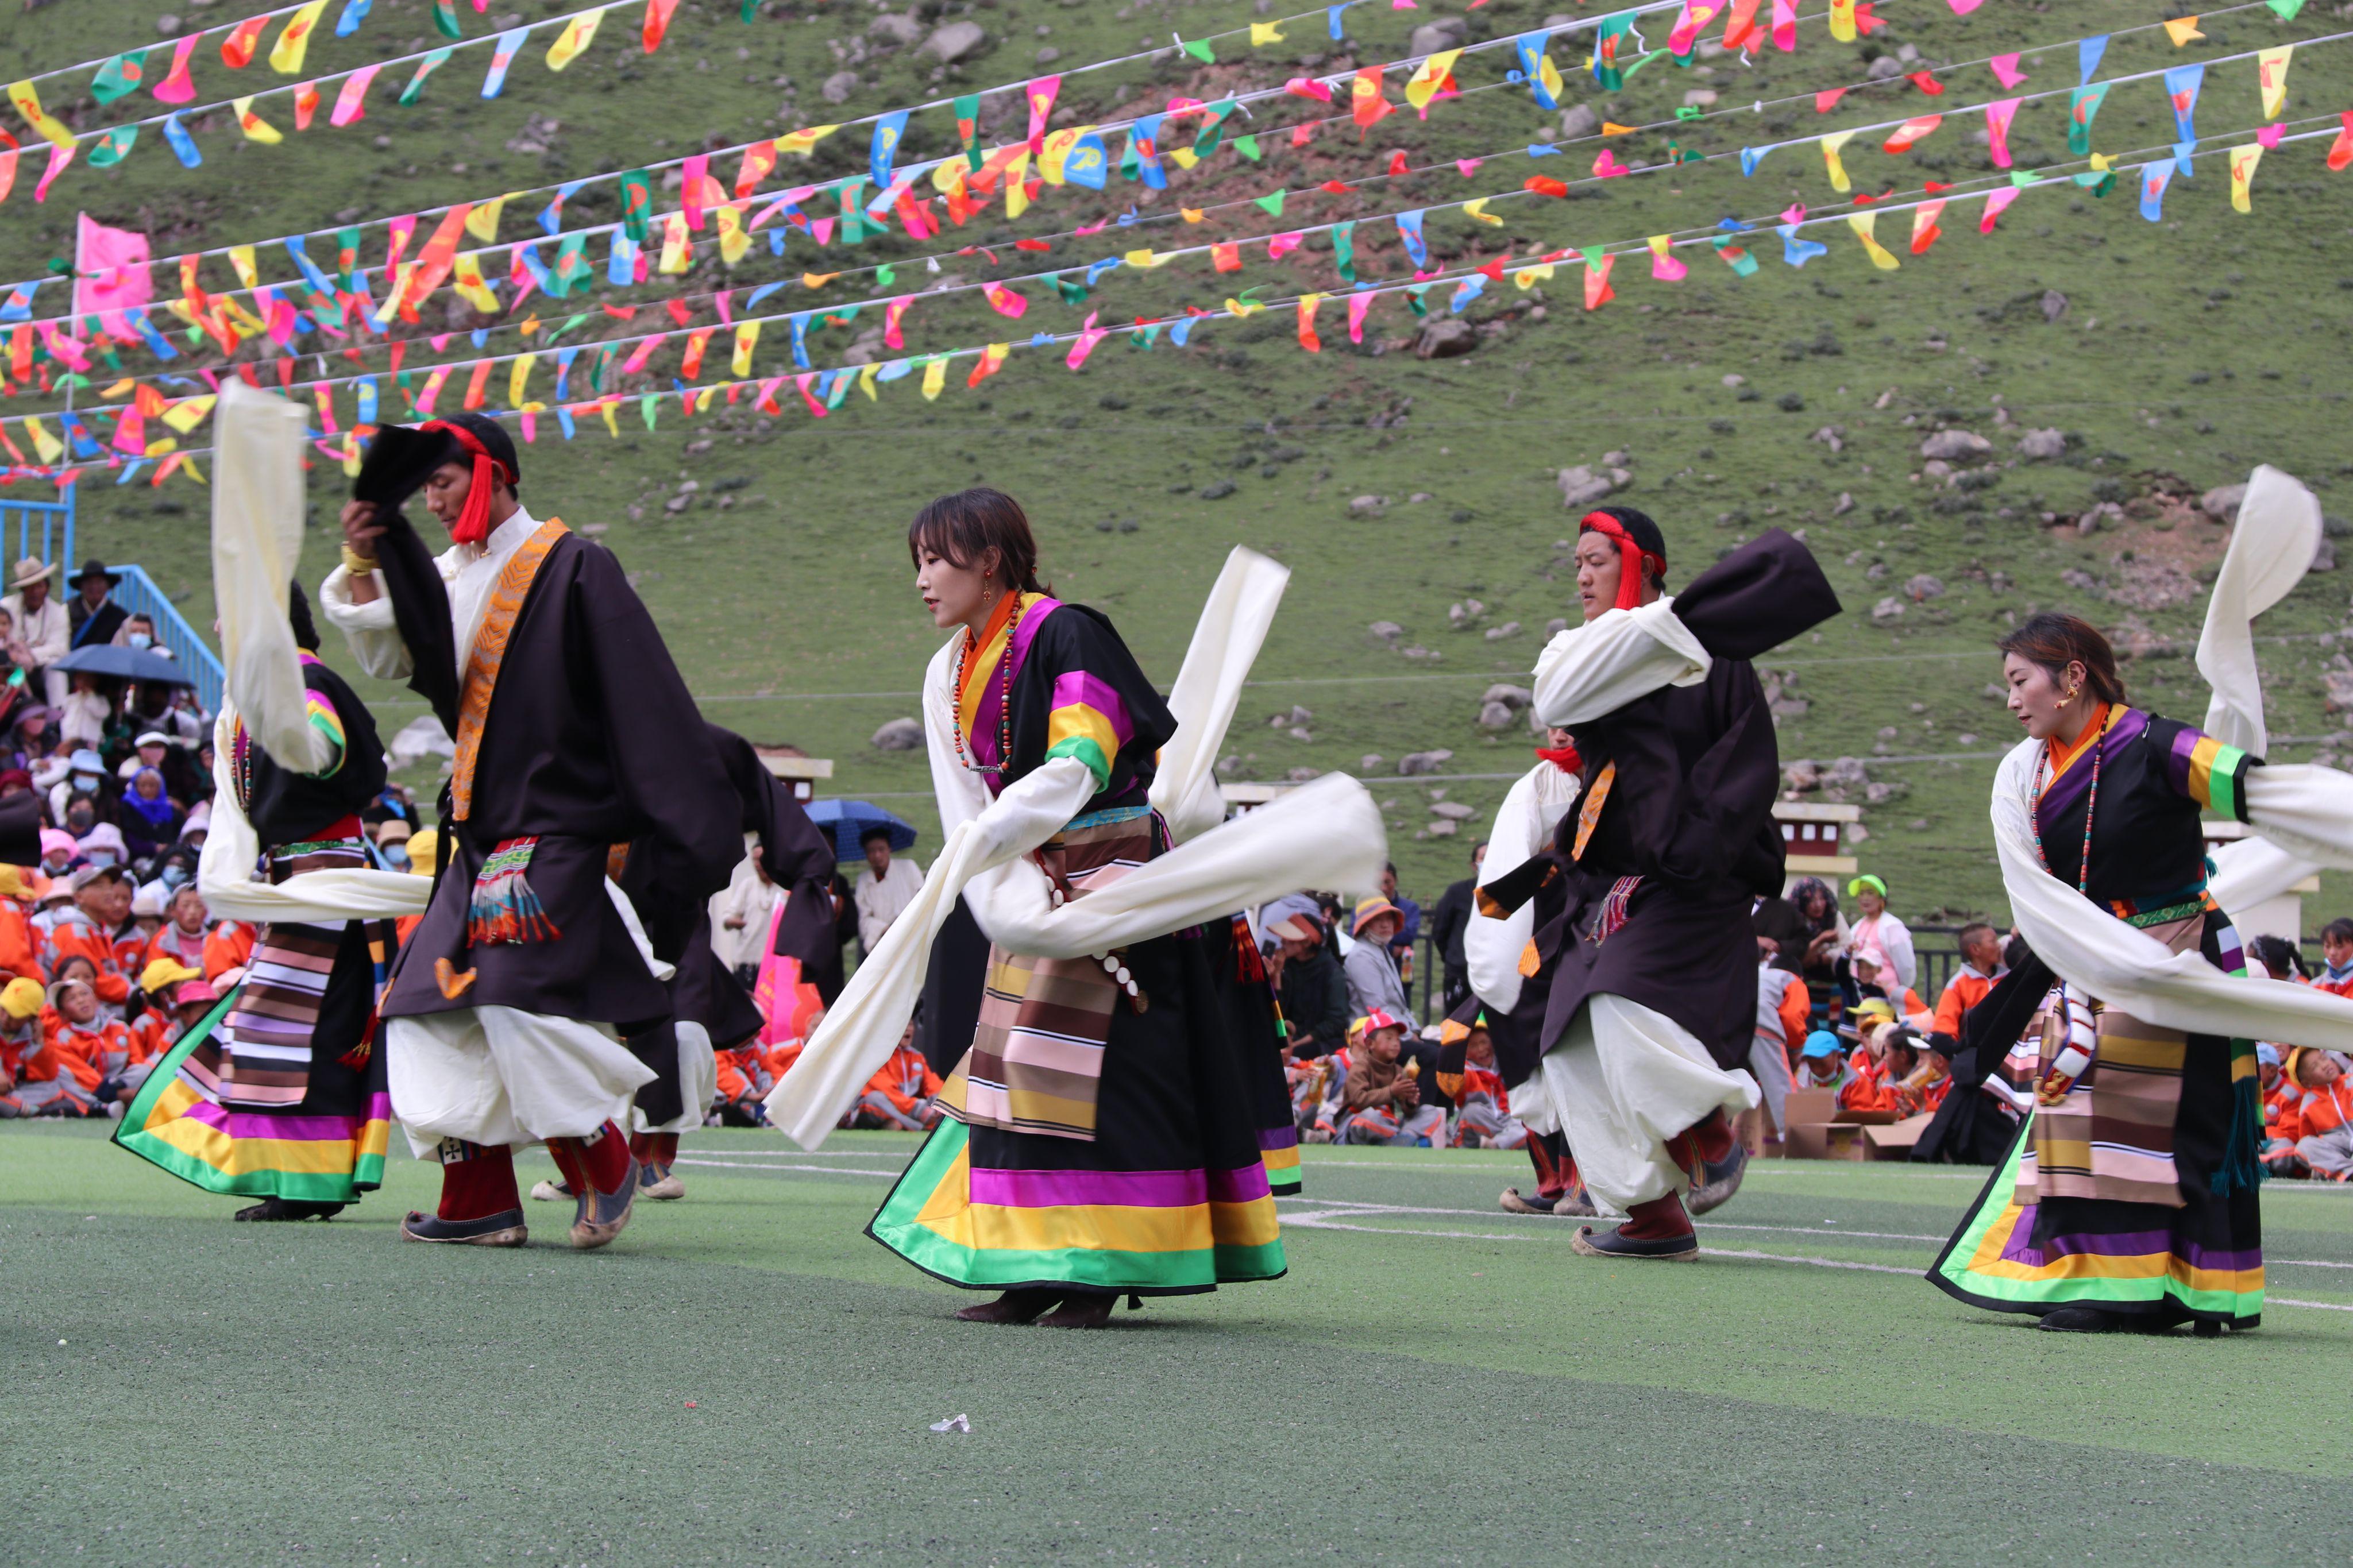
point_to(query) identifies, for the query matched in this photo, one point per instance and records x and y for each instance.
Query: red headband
(1632, 557)
(473, 524)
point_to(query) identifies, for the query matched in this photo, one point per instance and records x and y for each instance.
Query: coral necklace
(2091, 806)
(1003, 697)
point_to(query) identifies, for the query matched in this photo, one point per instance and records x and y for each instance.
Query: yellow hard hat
(425, 850)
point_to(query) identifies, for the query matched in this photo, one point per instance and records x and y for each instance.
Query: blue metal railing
(139, 594)
(52, 516)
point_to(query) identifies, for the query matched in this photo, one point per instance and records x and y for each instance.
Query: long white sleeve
(369, 628)
(256, 536)
(1226, 643)
(1532, 808)
(1595, 669)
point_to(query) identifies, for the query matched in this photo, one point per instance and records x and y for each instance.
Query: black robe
(1691, 812)
(590, 741)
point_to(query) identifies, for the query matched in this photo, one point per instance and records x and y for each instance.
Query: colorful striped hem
(1149, 1232)
(173, 1124)
(1991, 1262)
(1278, 1156)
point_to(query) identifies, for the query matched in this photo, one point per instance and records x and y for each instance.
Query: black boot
(1013, 1307)
(2079, 1320)
(290, 1209)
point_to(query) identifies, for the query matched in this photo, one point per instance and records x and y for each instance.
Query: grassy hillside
(2186, 351)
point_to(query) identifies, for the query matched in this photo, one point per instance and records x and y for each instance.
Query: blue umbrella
(850, 821)
(127, 664)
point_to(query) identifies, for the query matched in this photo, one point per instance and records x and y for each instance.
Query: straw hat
(28, 572)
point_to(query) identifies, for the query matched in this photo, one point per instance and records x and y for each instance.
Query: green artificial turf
(745, 1377)
(2188, 350)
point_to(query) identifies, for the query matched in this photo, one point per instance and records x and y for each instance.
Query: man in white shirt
(884, 888)
(740, 913)
(41, 624)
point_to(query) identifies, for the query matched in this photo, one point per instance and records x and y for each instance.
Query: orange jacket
(151, 1035)
(87, 1051)
(230, 946)
(2279, 1104)
(735, 1073)
(1964, 990)
(170, 942)
(2318, 1110)
(904, 1079)
(1796, 1008)
(19, 952)
(76, 939)
(1870, 1091)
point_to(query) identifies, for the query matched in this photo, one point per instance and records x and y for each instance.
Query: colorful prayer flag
(577, 34)
(2271, 76)
(1865, 225)
(2242, 175)
(294, 42)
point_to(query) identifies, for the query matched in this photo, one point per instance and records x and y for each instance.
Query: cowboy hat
(28, 572)
(94, 567)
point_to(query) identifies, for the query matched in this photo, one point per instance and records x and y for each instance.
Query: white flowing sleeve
(257, 538)
(1595, 669)
(368, 628)
(1226, 643)
(1491, 947)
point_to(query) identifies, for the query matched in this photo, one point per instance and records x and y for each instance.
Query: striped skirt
(325, 1145)
(1166, 1194)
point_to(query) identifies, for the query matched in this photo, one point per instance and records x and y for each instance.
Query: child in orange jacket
(2322, 1121)
(903, 1094)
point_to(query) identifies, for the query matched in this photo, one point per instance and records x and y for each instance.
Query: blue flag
(801, 341)
(1410, 230)
(1798, 252)
(2153, 181)
(354, 13)
(155, 340)
(1087, 163)
(1531, 49)
(2181, 85)
(888, 129)
(1147, 133)
(183, 146)
(2088, 55)
(1332, 19)
(1469, 289)
(309, 269)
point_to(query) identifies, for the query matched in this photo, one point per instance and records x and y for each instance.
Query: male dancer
(575, 733)
(1653, 1001)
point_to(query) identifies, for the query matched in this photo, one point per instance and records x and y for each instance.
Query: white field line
(806, 1170)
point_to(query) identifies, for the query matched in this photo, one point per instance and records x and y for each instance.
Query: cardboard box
(1895, 1140)
(1866, 1118)
(1825, 1141)
(1810, 1105)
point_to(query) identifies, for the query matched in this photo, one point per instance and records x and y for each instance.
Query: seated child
(902, 1094)
(1380, 1101)
(1822, 1063)
(1483, 1107)
(744, 1084)
(2323, 1118)
(80, 1047)
(22, 1040)
(2280, 1094)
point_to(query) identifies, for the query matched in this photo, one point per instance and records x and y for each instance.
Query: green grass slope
(2187, 352)
(745, 1377)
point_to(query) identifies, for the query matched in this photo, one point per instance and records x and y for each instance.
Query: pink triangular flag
(1998, 114)
(2006, 71)
(2269, 136)
(1994, 202)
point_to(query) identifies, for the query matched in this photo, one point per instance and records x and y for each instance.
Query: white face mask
(98, 857)
(139, 640)
(86, 782)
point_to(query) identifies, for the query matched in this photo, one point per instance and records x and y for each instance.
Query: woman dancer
(2128, 1198)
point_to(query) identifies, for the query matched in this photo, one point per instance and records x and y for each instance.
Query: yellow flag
(120, 389)
(1528, 278)
(866, 381)
(936, 377)
(162, 447)
(286, 59)
(1550, 75)
(1265, 33)
(804, 141)
(518, 378)
(1016, 189)
(1864, 225)
(948, 175)
(1424, 83)
(351, 455)
(2270, 75)
(605, 407)
(1843, 20)
(818, 279)
(1056, 148)
(1243, 307)
(1830, 145)
(732, 239)
(46, 446)
(1476, 211)
(675, 247)
(256, 129)
(1192, 214)
(189, 412)
(188, 466)
(240, 260)
(575, 37)
(2181, 29)
(468, 281)
(29, 104)
(392, 296)
(702, 403)
(1183, 157)
(482, 223)
(746, 334)
(2242, 174)
(1142, 260)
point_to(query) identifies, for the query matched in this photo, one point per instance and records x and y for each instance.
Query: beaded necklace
(1004, 698)
(2091, 810)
